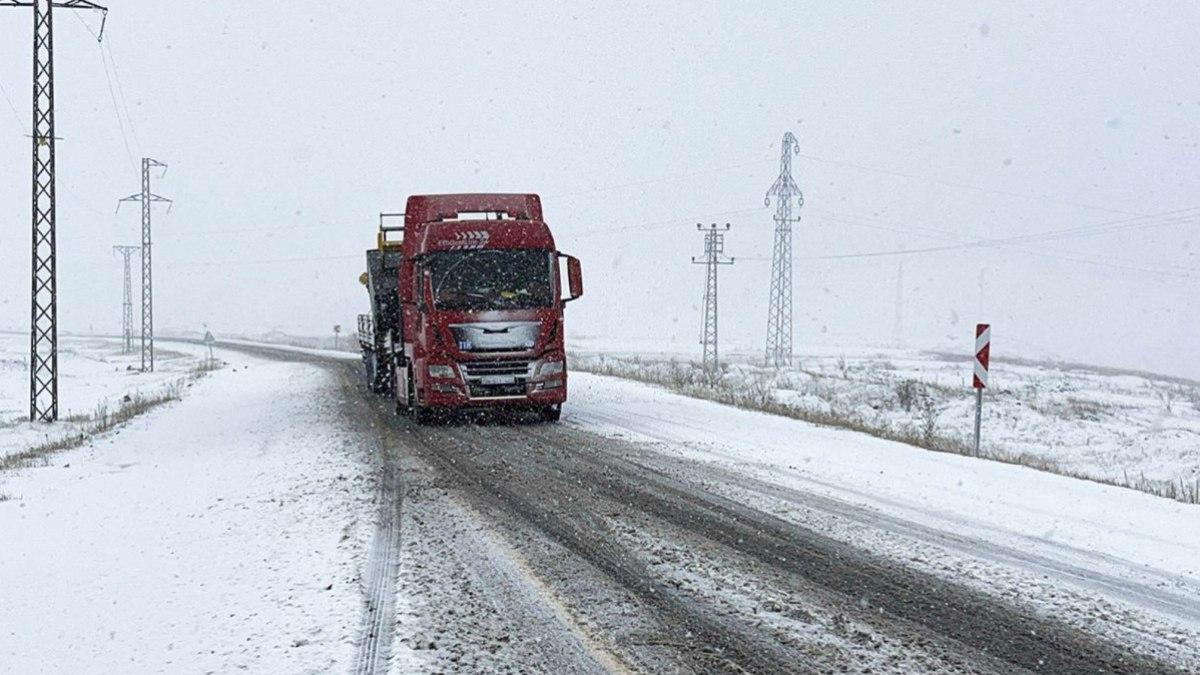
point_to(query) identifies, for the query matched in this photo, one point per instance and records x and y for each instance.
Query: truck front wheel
(422, 415)
(403, 402)
(551, 413)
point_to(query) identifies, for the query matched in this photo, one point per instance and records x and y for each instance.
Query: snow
(1098, 527)
(310, 351)
(217, 533)
(93, 372)
(1099, 423)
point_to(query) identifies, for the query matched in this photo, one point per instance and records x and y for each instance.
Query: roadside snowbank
(93, 373)
(1039, 512)
(1133, 429)
(219, 533)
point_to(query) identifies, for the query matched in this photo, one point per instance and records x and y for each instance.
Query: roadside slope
(222, 532)
(991, 500)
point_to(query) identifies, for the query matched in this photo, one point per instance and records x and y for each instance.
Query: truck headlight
(551, 368)
(441, 372)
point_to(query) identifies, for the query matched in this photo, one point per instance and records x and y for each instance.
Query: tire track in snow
(382, 569)
(980, 623)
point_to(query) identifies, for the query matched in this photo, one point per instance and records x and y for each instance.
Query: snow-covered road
(255, 523)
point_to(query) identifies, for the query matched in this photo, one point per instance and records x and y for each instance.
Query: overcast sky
(288, 126)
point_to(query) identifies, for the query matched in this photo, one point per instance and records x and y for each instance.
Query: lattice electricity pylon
(147, 199)
(714, 256)
(779, 311)
(43, 339)
(127, 299)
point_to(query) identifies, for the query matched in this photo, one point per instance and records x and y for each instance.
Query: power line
(111, 93)
(229, 263)
(967, 186)
(117, 113)
(16, 115)
(1012, 244)
(1069, 233)
(667, 224)
(667, 179)
(121, 93)
(1166, 218)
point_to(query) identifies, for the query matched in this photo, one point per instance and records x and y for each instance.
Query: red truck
(467, 307)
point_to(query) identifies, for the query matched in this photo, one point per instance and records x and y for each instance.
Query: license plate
(498, 379)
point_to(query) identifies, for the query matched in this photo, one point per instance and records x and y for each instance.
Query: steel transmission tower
(127, 303)
(43, 341)
(714, 256)
(779, 312)
(147, 199)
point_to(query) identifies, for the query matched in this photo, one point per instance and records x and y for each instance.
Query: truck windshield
(491, 279)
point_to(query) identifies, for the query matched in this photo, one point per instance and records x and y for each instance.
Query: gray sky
(288, 126)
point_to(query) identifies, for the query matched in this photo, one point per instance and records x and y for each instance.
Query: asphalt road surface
(519, 546)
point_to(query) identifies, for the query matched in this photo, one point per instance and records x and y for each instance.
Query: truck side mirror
(574, 278)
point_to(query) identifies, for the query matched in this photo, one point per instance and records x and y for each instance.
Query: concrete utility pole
(127, 301)
(779, 313)
(147, 199)
(43, 340)
(714, 256)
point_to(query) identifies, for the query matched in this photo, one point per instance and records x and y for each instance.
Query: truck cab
(481, 298)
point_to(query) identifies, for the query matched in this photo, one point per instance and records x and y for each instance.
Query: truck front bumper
(459, 395)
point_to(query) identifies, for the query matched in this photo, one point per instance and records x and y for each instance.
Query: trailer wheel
(551, 413)
(373, 372)
(369, 366)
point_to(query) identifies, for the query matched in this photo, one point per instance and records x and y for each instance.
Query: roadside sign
(983, 348)
(209, 341)
(983, 352)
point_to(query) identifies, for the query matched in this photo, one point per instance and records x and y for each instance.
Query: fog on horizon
(1064, 138)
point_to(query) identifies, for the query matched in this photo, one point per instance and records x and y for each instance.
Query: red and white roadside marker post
(983, 348)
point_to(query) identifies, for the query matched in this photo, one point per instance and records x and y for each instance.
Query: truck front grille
(479, 369)
(491, 379)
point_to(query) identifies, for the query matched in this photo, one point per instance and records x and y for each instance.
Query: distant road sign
(208, 338)
(983, 348)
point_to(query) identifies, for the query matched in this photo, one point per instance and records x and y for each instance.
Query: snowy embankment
(1131, 429)
(1038, 521)
(95, 379)
(217, 533)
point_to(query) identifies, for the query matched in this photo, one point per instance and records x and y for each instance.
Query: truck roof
(474, 221)
(424, 209)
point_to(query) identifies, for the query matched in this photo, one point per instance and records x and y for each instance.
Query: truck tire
(422, 416)
(551, 413)
(403, 407)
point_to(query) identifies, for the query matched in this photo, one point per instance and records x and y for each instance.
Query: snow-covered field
(93, 372)
(219, 533)
(1127, 428)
